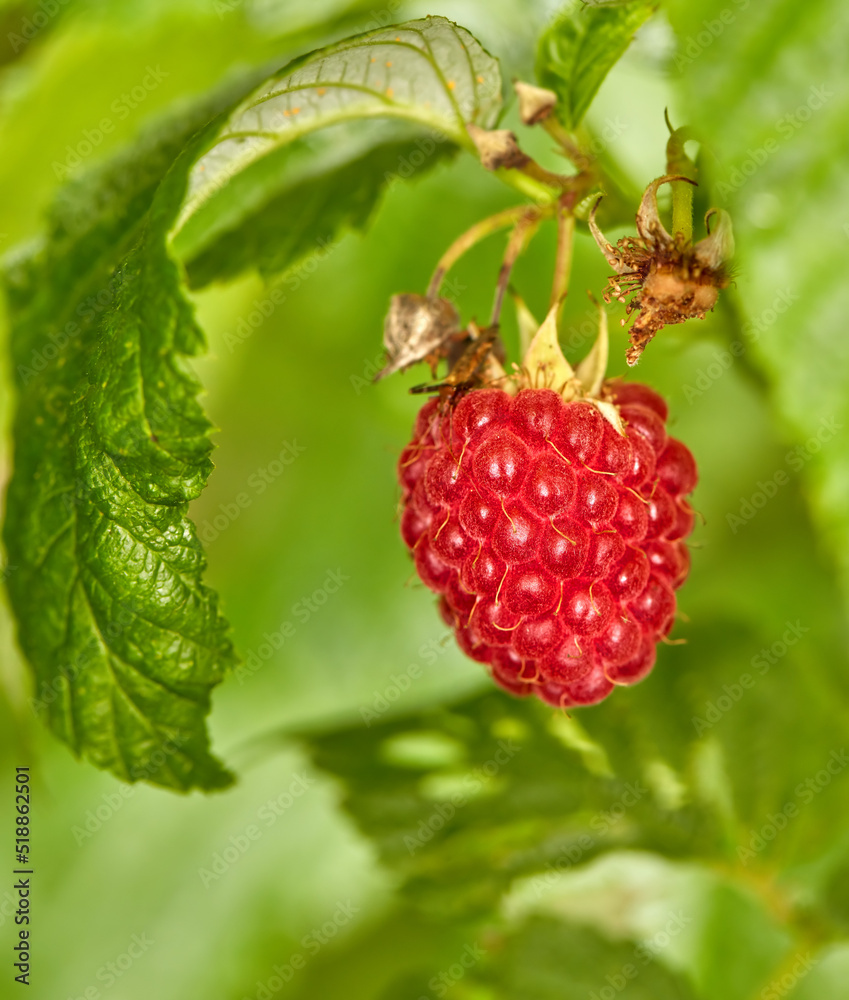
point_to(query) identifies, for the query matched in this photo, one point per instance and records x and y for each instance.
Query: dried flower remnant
(667, 278)
(418, 328)
(497, 148)
(536, 104)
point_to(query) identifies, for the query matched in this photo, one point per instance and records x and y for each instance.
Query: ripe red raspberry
(555, 542)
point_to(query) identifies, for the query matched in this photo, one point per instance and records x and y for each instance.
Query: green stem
(563, 261)
(566, 142)
(678, 162)
(538, 173)
(682, 210)
(477, 232)
(540, 192)
(519, 239)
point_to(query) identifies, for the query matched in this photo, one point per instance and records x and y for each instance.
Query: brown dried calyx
(497, 147)
(668, 278)
(418, 328)
(543, 366)
(536, 104)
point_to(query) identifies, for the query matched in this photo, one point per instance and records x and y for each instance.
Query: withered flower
(668, 278)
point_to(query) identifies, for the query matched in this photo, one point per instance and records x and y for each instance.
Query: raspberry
(554, 540)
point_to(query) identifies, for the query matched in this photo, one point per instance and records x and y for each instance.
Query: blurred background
(690, 838)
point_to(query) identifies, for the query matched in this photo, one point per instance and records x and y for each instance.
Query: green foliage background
(552, 878)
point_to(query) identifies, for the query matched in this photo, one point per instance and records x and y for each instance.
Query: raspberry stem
(538, 190)
(523, 233)
(679, 163)
(682, 210)
(566, 142)
(476, 233)
(563, 261)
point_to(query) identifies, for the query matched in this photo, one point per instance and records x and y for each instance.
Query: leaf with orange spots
(430, 73)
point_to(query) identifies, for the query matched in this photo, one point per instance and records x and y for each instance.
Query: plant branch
(477, 232)
(682, 210)
(563, 262)
(539, 192)
(678, 162)
(519, 239)
(566, 142)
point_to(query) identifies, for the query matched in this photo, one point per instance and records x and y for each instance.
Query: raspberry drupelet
(553, 534)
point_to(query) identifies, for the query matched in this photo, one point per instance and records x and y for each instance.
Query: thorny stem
(519, 239)
(563, 262)
(477, 232)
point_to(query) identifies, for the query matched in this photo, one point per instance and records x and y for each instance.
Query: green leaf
(814, 975)
(578, 50)
(739, 946)
(110, 445)
(429, 72)
(776, 136)
(303, 216)
(461, 801)
(547, 959)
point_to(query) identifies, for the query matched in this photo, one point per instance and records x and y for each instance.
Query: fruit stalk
(479, 231)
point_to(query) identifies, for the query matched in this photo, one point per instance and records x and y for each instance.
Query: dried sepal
(418, 328)
(718, 245)
(497, 147)
(649, 226)
(607, 248)
(535, 103)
